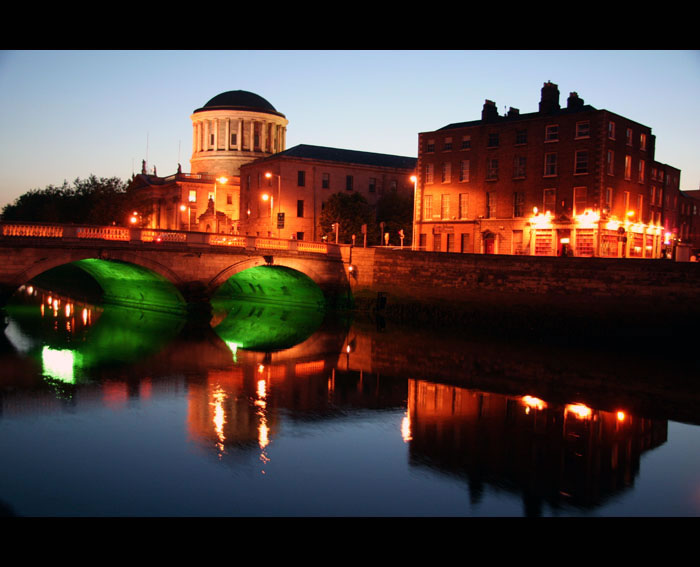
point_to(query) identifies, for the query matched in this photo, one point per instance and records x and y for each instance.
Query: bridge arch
(292, 280)
(125, 278)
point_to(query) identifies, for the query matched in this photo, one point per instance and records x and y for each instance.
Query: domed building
(238, 150)
(234, 128)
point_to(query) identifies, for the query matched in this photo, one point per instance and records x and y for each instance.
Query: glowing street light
(269, 175)
(222, 180)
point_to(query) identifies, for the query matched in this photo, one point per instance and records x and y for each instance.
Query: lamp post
(269, 175)
(266, 197)
(414, 178)
(223, 180)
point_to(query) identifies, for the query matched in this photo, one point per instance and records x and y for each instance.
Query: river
(110, 411)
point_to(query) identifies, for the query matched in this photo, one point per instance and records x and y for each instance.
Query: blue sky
(68, 114)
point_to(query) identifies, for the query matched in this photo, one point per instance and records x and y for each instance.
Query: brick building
(283, 195)
(570, 180)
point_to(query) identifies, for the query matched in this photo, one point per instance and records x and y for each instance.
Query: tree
(350, 211)
(395, 210)
(90, 201)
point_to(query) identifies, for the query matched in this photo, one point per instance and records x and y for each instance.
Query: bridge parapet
(136, 236)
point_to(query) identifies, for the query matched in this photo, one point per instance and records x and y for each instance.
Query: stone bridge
(170, 270)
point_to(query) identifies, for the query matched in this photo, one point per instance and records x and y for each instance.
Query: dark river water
(272, 411)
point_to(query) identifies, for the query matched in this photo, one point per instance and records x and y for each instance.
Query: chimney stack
(574, 102)
(489, 112)
(550, 98)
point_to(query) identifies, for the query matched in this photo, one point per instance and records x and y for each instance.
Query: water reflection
(490, 419)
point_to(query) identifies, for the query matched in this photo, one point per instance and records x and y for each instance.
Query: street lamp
(269, 175)
(414, 178)
(223, 180)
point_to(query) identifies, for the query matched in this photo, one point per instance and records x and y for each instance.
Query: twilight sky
(68, 114)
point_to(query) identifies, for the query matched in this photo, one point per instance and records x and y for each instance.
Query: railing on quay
(148, 235)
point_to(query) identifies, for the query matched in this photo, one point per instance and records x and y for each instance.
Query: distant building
(287, 203)
(238, 137)
(570, 180)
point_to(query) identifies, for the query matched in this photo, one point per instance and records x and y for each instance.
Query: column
(215, 124)
(252, 135)
(239, 137)
(227, 145)
(263, 136)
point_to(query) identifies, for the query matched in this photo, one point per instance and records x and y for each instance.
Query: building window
(492, 169)
(192, 197)
(446, 172)
(465, 242)
(427, 207)
(550, 165)
(348, 182)
(490, 205)
(211, 140)
(463, 205)
(628, 167)
(551, 133)
(653, 195)
(581, 162)
(521, 137)
(448, 144)
(430, 146)
(429, 173)
(422, 241)
(643, 142)
(549, 200)
(580, 200)
(229, 199)
(519, 163)
(518, 242)
(611, 130)
(626, 196)
(301, 178)
(300, 208)
(628, 136)
(464, 170)
(451, 242)
(583, 129)
(608, 198)
(437, 244)
(372, 184)
(641, 170)
(326, 181)
(492, 141)
(518, 204)
(610, 161)
(444, 207)
(466, 142)
(234, 140)
(640, 207)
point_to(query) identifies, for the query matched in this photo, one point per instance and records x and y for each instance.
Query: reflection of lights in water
(219, 416)
(263, 429)
(406, 428)
(59, 364)
(85, 315)
(578, 410)
(533, 403)
(233, 347)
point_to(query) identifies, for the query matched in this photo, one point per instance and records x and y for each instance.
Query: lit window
(628, 167)
(192, 196)
(641, 170)
(643, 142)
(608, 198)
(490, 205)
(549, 200)
(428, 207)
(580, 200)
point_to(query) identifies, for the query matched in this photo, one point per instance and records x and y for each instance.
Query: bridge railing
(136, 236)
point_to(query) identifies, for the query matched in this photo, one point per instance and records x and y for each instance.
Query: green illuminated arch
(272, 284)
(119, 283)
